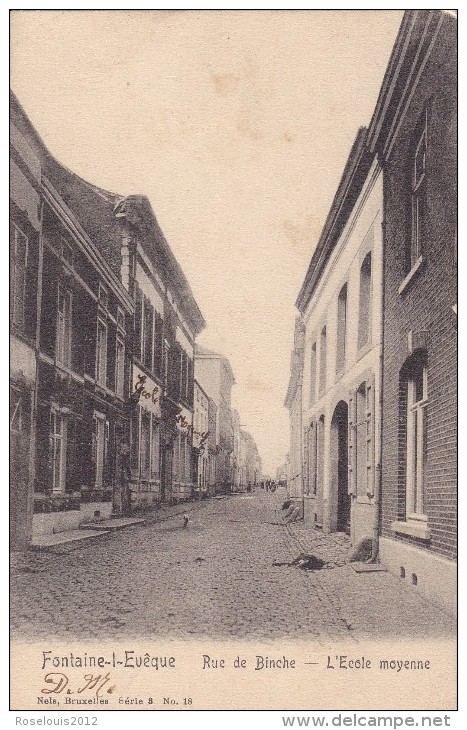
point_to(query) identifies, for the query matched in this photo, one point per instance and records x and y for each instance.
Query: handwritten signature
(60, 682)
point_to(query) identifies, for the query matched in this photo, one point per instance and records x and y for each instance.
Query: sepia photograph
(233, 359)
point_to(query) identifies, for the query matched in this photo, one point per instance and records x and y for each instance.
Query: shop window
(341, 328)
(155, 449)
(134, 434)
(57, 444)
(313, 374)
(63, 340)
(145, 451)
(322, 360)
(101, 353)
(19, 258)
(365, 302)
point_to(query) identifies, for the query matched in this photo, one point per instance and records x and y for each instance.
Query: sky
(237, 126)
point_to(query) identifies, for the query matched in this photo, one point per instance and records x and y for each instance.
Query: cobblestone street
(225, 576)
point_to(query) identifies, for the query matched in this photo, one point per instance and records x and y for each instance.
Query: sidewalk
(366, 601)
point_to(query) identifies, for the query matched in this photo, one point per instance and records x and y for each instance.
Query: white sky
(237, 126)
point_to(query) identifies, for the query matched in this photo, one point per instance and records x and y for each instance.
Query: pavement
(232, 573)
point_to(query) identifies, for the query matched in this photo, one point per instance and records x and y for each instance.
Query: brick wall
(426, 303)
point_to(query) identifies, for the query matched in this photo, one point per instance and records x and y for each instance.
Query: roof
(349, 188)
(203, 353)
(96, 211)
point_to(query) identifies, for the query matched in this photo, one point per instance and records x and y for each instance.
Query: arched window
(413, 412)
(341, 328)
(365, 302)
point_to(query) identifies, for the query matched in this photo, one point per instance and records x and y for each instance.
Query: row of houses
(372, 390)
(106, 416)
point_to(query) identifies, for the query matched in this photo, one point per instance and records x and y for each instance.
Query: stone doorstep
(116, 523)
(51, 540)
(368, 567)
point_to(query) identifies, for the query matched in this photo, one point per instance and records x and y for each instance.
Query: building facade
(341, 307)
(214, 373)
(167, 320)
(200, 439)
(82, 333)
(25, 232)
(293, 402)
(250, 471)
(413, 130)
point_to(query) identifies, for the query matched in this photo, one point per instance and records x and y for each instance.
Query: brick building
(81, 318)
(413, 130)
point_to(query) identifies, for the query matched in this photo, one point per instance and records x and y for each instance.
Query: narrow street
(217, 578)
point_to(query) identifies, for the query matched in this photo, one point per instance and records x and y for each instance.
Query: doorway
(340, 498)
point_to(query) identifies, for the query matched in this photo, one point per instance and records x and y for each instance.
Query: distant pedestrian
(186, 520)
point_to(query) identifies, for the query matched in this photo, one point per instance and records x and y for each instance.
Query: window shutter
(312, 458)
(352, 445)
(370, 436)
(306, 460)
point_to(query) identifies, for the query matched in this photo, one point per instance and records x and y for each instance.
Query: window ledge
(412, 528)
(410, 275)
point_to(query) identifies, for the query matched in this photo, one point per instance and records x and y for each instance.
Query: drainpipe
(379, 441)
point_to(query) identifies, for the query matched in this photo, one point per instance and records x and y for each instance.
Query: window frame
(64, 347)
(416, 446)
(102, 358)
(17, 233)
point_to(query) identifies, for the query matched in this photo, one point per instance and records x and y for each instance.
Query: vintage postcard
(233, 373)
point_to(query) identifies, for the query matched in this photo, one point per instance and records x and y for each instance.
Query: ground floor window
(58, 443)
(417, 402)
(100, 447)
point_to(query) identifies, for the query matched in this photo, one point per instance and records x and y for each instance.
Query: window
(67, 252)
(419, 204)
(148, 327)
(361, 449)
(58, 450)
(319, 456)
(165, 371)
(365, 302)
(19, 257)
(16, 411)
(99, 447)
(155, 452)
(158, 345)
(63, 342)
(103, 296)
(312, 458)
(120, 367)
(101, 353)
(120, 320)
(134, 433)
(417, 399)
(341, 328)
(322, 361)
(313, 373)
(138, 321)
(145, 442)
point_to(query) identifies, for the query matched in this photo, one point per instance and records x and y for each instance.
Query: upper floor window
(364, 314)
(19, 258)
(16, 411)
(419, 203)
(322, 360)
(63, 340)
(103, 296)
(341, 328)
(119, 366)
(101, 352)
(313, 373)
(148, 333)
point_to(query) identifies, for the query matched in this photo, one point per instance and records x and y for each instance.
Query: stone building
(200, 439)
(340, 303)
(413, 131)
(293, 402)
(214, 373)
